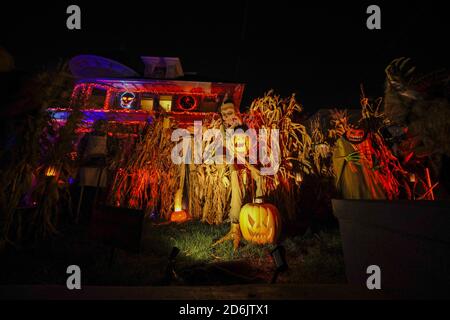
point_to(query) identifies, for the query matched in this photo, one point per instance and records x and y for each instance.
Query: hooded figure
(355, 166)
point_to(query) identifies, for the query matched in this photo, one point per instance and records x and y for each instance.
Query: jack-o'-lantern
(241, 144)
(355, 135)
(260, 222)
(179, 216)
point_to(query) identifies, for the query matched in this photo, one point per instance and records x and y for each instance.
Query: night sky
(320, 51)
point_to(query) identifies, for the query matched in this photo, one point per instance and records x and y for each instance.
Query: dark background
(321, 51)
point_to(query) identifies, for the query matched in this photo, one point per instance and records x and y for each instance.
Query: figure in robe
(356, 166)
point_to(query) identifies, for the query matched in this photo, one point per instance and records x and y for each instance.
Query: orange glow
(430, 190)
(241, 144)
(178, 200)
(179, 216)
(51, 172)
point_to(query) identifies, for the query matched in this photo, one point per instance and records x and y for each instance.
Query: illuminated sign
(127, 99)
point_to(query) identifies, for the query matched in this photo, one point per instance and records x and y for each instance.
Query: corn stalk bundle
(208, 194)
(17, 171)
(388, 168)
(339, 124)
(24, 182)
(272, 112)
(148, 180)
(321, 152)
(53, 192)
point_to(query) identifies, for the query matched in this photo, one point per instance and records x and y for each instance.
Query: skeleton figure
(239, 173)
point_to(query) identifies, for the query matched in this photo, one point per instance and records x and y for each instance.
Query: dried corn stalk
(208, 192)
(272, 112)
(321, 151)
(339, 123)
(149, 179)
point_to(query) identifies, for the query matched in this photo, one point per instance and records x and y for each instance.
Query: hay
(208, 188)
(273, 112)
(148, 180)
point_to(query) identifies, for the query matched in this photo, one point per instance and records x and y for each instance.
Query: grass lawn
(312, 258)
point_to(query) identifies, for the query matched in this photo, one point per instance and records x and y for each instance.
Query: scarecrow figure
(354, 166)
(364, 166)
(239, 170)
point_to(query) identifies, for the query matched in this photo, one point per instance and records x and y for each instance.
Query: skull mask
(230, 117)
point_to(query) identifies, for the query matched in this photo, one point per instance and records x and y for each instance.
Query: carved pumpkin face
(241, 144)
(354, 135)
(260, 223)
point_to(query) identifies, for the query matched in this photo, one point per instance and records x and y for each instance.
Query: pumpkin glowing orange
(179, 216)
(355, 135)
(260, 222)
